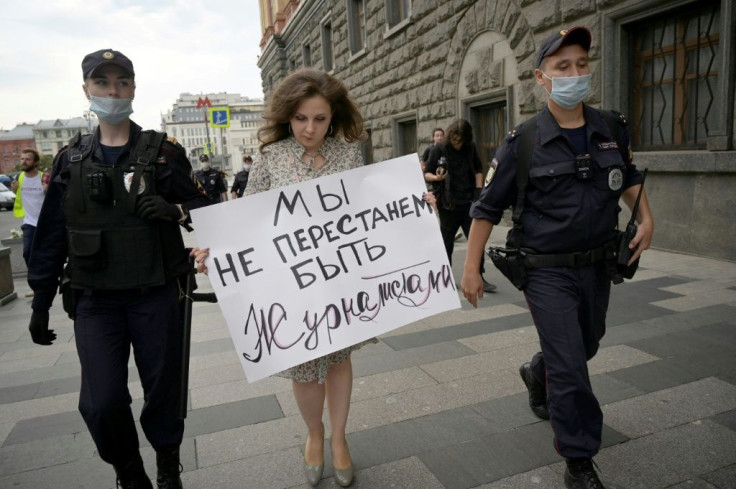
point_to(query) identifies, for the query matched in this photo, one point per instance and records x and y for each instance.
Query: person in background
(241, 178)
(113, 209)
(211, 180)
(455, 169)
(438, 136)
(577, 173)
(30, 190)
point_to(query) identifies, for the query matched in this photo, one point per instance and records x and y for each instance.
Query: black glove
(39, 328)
(155, 207)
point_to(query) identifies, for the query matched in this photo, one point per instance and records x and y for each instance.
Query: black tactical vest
(110, 247)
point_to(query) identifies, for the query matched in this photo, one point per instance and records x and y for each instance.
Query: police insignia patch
(606, 145)
(173, 141)
(615, 179)
(108, 55)
(491, 171)
(128, 180)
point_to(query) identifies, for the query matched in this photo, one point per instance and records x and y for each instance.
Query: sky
(176, 46)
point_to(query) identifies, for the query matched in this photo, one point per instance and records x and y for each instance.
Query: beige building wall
(52, 135)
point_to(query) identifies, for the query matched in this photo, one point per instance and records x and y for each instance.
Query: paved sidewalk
(436, 404)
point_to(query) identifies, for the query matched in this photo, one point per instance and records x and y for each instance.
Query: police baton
(189, 298)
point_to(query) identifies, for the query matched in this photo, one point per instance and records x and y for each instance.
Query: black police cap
(204, 158)
(106, 57)
(577, 35)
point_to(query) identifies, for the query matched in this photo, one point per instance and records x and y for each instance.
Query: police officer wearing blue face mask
(113, 209)
(579, 165)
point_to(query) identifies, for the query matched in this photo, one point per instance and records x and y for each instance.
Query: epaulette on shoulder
(513, 134)
(172, 148)
(174, 141)
(620, 118)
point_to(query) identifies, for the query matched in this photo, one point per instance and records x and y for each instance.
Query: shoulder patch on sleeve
(173, 141)
(491, 171)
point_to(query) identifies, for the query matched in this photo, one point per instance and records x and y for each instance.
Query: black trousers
(106, 326)
(450, 222)
(569, 308)
(28, 233)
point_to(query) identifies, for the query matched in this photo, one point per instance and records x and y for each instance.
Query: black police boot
(133, 476)
(169, 468)
(580, 474)
(537, 392)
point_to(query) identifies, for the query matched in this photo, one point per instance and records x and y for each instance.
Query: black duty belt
(574, 260)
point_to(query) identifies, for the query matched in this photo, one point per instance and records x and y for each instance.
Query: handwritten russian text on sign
(308, 269)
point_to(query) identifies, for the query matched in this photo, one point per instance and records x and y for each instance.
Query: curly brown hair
(300, 85)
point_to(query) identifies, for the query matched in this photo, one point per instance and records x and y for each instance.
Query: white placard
(311, 268)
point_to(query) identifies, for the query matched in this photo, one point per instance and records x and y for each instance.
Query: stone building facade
(415, 65)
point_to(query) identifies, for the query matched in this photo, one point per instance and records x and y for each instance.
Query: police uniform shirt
(241, 181)
(212, 183)
(50, 251)
(562, 213)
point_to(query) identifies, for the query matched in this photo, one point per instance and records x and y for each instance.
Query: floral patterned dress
(280, 164)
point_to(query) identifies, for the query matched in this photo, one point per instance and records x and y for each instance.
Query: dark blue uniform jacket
(49, 251)
(562, 214)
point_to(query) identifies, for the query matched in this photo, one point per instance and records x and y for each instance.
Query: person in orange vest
(30, 190)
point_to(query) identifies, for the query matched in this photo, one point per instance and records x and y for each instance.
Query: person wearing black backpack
(563, 172)
(114, 207)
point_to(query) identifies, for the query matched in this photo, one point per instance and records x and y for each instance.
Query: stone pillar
(17, 263)
(7, 288)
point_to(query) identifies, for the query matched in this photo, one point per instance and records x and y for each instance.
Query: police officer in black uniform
(211, 181)
(113, 209)
(577, 173)
(241, 178)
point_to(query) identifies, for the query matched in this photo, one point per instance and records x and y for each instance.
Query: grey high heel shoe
(313, 473)
(344, 477)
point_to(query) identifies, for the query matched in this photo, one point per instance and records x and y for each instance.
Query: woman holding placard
(311, 123)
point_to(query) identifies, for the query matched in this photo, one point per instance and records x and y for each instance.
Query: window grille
(675, 79)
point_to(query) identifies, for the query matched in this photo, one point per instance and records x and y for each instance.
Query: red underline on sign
(389, 273)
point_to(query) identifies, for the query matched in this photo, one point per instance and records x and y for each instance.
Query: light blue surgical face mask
(569, 91)
(111, 110)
